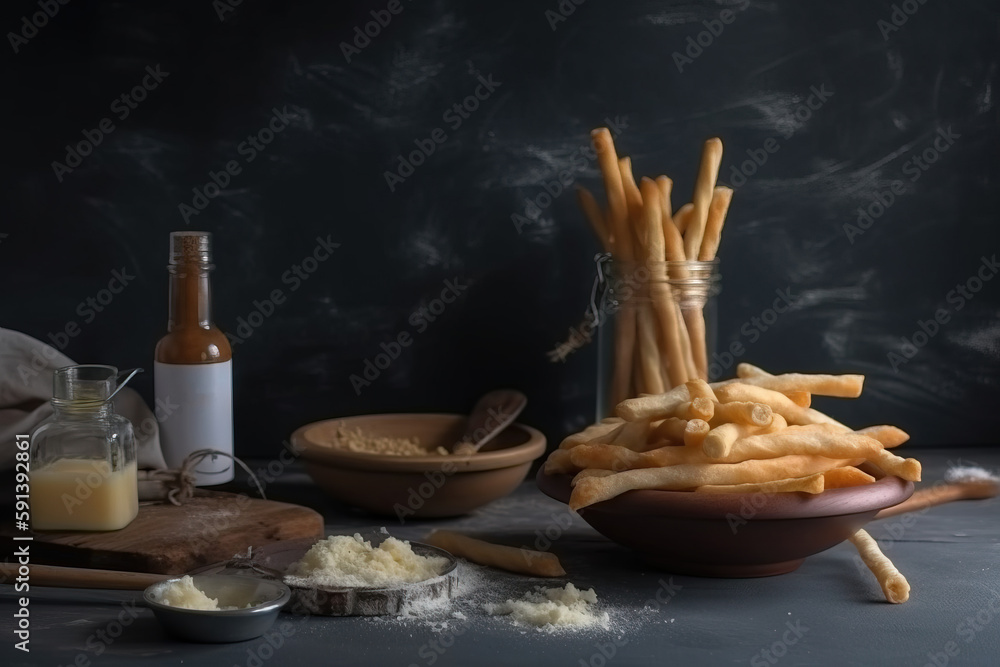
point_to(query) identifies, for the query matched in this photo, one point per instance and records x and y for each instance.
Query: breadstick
(617, 220)
(721, 198)
(633, 200)
(811, 484)
(682, 217)
(671, 429)
(648, 351)
(698, 388)
(840, 478)
(592, 211)
(603, 427)
(653, 407)
(695, 433)
(660, 293)
(666, 186)
(607, 160)
(745, 370)
(691, 475)
(512, 559)
(894, 585)
(708, 172)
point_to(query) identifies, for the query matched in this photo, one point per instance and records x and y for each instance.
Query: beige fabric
(26, 367)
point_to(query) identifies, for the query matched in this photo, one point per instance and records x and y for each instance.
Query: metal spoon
(492, 414)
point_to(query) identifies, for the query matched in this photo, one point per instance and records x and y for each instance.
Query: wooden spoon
(492, 414)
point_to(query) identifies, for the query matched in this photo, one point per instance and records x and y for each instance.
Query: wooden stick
(708, 172)
(939, 495)
(81, 577)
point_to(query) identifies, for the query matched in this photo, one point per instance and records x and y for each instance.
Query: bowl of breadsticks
(738, 478)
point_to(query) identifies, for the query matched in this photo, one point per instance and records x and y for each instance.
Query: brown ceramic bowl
(417, 486)
(733, 535)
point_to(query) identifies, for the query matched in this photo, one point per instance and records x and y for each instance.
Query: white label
(195, 410)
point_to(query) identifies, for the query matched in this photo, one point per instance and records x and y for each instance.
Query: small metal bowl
(221, 627)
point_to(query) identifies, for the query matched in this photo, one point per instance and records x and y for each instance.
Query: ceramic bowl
(427, 486)
(733, 535)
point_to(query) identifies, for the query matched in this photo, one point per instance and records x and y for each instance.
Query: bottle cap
(188, 247)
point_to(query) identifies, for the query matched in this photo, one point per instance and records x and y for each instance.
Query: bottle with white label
(193, 370)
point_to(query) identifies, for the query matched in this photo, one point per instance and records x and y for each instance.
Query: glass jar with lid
(83, 458)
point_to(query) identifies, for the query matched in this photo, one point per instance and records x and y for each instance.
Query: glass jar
(83, 458)
(656, 328)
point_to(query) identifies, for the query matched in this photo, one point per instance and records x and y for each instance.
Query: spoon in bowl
(492, 414)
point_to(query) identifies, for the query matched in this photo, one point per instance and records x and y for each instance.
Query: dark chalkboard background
(893, 91)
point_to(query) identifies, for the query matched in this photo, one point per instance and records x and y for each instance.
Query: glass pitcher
(83, 458)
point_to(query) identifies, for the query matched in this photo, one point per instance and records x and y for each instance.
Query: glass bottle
(83, 465)
(193, 368)
(650, 315)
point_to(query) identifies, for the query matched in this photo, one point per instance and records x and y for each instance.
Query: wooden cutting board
(167, 539)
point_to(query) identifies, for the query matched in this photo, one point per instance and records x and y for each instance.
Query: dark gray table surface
(839, 617)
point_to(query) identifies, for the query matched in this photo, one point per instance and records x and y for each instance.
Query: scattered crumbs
(356, 440)
(552, 609)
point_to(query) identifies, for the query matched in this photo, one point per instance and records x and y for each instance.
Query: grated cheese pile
(184, 594)
(356, 440)
(552, 608)
(342, 561)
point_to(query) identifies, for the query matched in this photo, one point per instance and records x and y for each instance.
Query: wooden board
(167, 539)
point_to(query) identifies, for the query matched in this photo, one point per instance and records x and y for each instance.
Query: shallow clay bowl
(434, 485)
(733, 535)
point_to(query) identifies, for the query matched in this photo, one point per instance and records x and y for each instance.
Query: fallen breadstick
(894, 585)
(512, 559)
